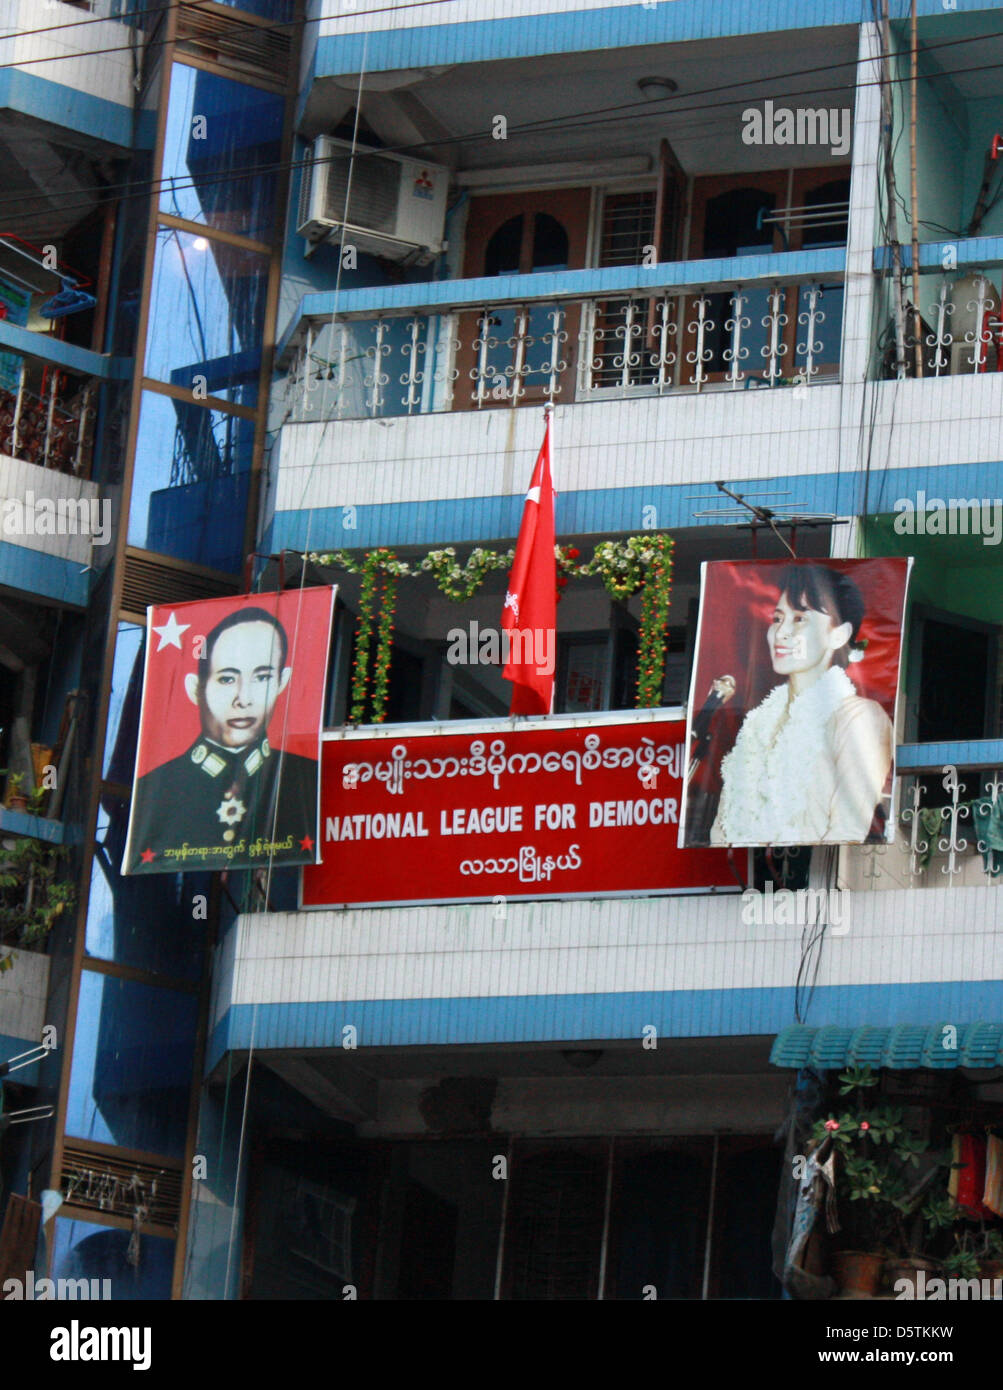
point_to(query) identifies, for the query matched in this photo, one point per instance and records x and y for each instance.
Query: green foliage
(878, 1184)
(939, 1211)
(992, 1244)
(639, 563)
(856, 1079)
(962, 1263)
(32, 896)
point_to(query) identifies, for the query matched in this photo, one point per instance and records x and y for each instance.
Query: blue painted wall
(599, 510)
(35, 572)
(591, 1017)
(667, 21)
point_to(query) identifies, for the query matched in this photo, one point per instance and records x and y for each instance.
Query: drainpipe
(893, 233)
(441, 264)
(913, 74)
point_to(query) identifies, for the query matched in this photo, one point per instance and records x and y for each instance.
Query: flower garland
(360, 666)
(655, 596)
(460, 583)
(384, 643)
(641, 562)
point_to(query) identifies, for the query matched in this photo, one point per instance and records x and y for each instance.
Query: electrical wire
(130, 189)
(266, 898)
(188, 5)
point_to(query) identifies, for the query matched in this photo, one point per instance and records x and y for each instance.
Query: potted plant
(976, 1253)
(878, 1187)
(937, 1212)
(991, 1261)
(32, 895)
(963, 1261)
(17, 800)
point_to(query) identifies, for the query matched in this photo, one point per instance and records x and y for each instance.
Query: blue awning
(905, 1047)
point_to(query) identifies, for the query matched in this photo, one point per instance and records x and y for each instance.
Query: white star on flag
(533, 495)
(170, 632)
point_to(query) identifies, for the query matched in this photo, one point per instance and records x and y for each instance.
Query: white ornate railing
(981, 309)
(614, 345)
(951, 825)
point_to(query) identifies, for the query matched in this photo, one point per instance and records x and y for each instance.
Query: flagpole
(548, 424)
(531, 597)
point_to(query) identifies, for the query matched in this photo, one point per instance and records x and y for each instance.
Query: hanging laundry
(992, 1197)
(968, 1178)
(987, 817)
(932, 824)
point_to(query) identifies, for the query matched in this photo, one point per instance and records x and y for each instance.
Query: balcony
(92, 62)
(961, 320)
(757, 322)
(46, 415)
(49, 396)
(949, 819)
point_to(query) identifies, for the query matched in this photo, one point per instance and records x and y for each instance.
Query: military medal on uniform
(232, 809)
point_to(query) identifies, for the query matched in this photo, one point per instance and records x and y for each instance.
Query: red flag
(530, 613)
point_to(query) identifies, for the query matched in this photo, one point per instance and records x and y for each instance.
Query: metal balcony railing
(573, 349)
(948, 832)
(46, 414)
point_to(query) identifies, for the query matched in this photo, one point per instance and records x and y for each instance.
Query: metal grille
(374, 192)
(121, 1186)
(257, 50)
(622, 326)
(148, 581)
(628, 226)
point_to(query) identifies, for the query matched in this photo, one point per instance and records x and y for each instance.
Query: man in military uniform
(232, 799)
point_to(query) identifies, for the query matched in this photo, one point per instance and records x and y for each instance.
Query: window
(86, 1250)
(132, 1066)
(220, 133)
(628, 226)
(527, 243)
(953, 678)
(520, 234)
(190, 482)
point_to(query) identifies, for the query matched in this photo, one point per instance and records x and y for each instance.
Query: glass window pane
(281, 11)
(190, 483)
(132, 1064)
(85, 1250)
(207, 310)
(144, 922)
(217, 128)
(123, 708)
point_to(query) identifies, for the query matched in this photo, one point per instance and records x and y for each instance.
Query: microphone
(721, 691)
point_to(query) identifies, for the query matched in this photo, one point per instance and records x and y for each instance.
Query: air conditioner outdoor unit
(396, 205)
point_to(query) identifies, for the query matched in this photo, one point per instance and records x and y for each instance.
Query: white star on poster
(170, 632)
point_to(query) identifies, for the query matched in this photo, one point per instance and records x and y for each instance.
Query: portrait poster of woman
(792, 708)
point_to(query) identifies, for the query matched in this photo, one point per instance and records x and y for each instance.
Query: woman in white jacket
(810, 762)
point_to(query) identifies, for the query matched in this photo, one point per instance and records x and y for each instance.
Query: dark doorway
(957, 673)
(428, 1244)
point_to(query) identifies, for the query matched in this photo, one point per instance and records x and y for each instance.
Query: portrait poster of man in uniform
(792, 710)
(227, 760)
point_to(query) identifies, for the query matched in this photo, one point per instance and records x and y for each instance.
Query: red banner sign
(587, 809)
